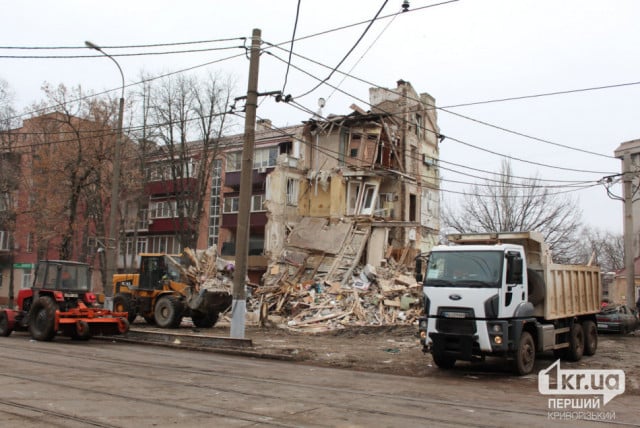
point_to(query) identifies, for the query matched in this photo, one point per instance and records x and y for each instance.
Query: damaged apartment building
(363, 189)
(328, 195)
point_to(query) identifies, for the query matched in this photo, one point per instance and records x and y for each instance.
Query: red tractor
(61, 302)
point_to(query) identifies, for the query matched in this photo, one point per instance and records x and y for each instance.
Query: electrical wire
(447, 111)
(544, 94)
(116, 55)
(348, 53)
(344, 77)
(451, 138)
(296, 105)
(154, 45)
(293, 38)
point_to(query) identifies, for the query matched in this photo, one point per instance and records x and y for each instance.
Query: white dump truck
(500, 294)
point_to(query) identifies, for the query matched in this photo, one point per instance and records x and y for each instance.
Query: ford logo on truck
(455, 296)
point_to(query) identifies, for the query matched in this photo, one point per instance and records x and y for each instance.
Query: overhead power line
(348, 53)
(153, 45)
(448, 136)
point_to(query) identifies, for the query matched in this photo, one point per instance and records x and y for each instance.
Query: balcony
(170, 187)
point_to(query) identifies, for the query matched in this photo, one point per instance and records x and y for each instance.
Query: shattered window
(292, 191)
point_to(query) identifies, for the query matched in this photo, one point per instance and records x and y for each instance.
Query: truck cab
(487, 295)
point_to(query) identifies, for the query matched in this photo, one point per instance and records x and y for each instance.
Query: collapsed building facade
(364, 189)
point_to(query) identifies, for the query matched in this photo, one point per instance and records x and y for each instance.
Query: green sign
(23, 265)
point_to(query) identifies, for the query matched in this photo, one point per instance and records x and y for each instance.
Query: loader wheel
(42, 319)
(576, 343)
(168, 312)
(525, 356)
(204, 320)
(4, 325)
(590, 337)
(122, 303)
(83, 332)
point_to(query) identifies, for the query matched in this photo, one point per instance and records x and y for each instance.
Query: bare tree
(603, 248)
(73, 148)
(191, 118)
(9, 164)
(506, 203)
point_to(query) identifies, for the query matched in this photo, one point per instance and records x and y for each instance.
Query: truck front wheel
(443, 361)
(525, 356)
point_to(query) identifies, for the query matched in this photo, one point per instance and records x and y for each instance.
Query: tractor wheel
(42, 319)
(4, 325)
(204, 320)
(168, 312)
(590, 337)
(123, 325)
(122, 303)
(525, 356)
(83, 332)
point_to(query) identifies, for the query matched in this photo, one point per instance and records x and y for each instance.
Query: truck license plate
(70, 294)
(454, 315)
(600, 325)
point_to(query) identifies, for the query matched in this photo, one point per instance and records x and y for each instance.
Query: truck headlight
(497, 340)
(496, 328)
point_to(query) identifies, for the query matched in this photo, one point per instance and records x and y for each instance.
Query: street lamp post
(112, 241)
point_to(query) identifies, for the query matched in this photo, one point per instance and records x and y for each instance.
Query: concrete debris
(373, 296)
(204, 270)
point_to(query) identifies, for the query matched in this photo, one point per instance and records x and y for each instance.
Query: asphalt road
(102, 383)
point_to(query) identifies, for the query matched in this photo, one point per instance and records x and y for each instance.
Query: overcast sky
(459, 52)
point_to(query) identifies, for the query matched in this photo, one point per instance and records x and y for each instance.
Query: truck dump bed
(570, 290)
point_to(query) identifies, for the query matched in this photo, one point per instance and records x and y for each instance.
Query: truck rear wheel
(42, 319)
(590, 332)
(168, 312)
(443, 361)
(576, 342)
(204, 320)
(525, 357)
(4, 325)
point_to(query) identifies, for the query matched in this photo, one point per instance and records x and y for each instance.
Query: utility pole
(626, 152)
(629, 266)
(239, 305)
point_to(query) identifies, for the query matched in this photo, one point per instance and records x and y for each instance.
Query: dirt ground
(396, 350)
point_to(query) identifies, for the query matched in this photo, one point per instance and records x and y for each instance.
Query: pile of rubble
(372, 297)
(203, 270)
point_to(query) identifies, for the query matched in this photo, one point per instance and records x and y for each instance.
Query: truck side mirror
(418, 271)
(514, 268)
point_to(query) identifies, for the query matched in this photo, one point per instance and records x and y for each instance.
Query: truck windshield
(465, 269)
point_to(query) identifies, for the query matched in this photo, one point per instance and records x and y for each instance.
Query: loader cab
(154, 269)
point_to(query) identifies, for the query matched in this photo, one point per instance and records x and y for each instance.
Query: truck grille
(456, 320)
